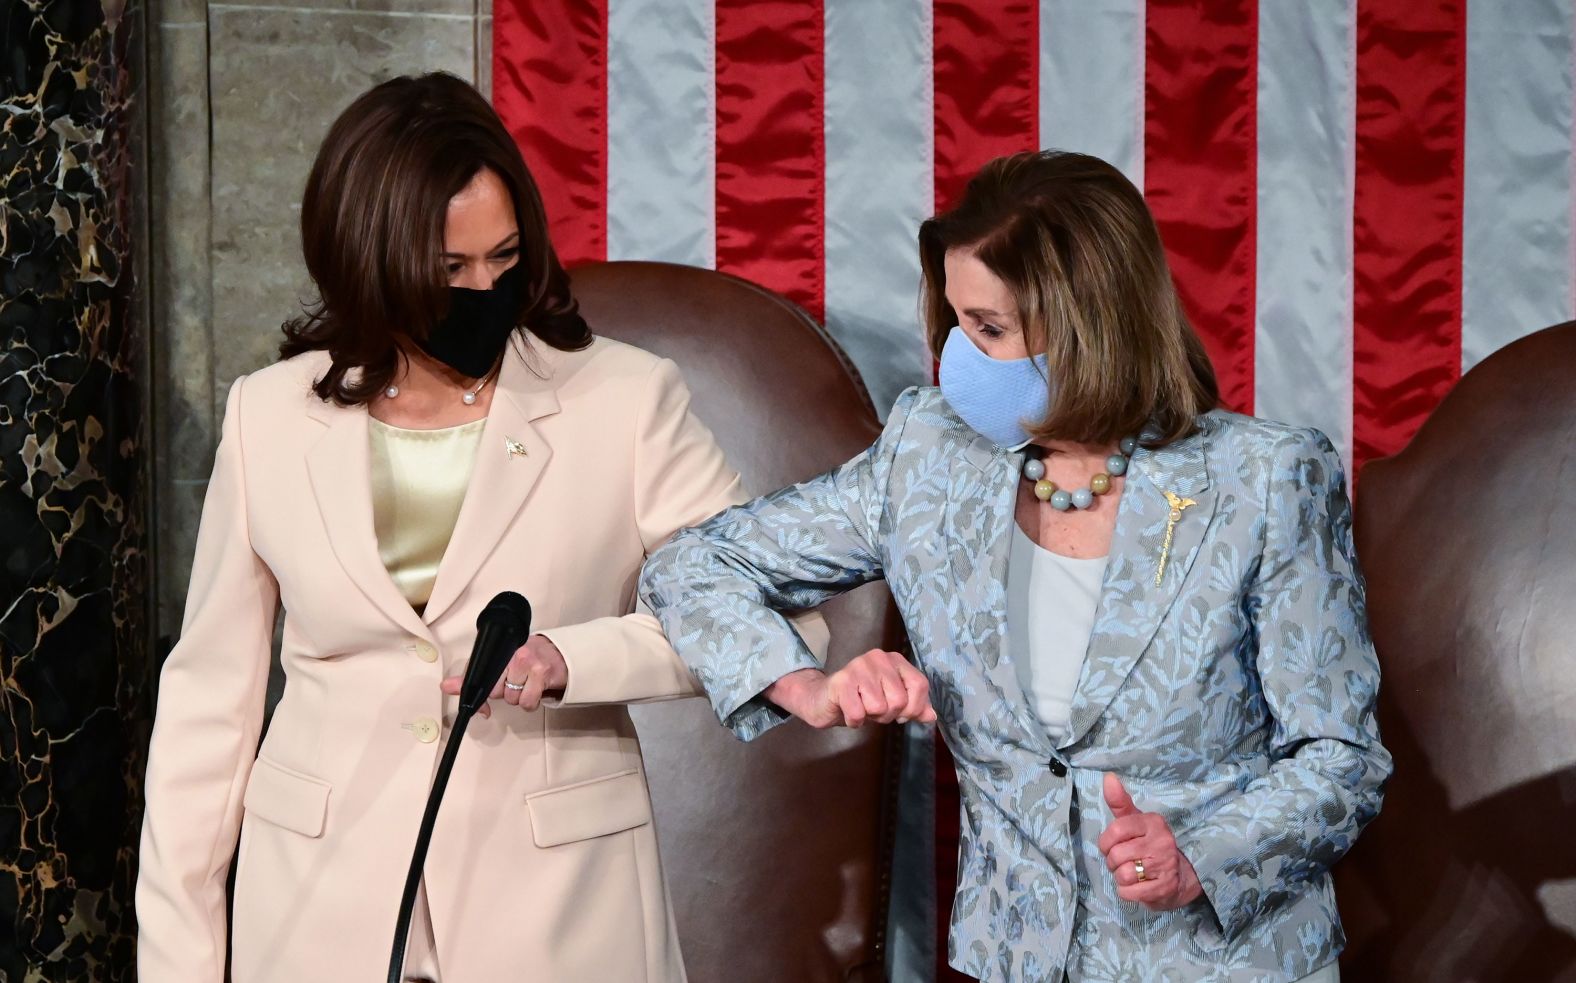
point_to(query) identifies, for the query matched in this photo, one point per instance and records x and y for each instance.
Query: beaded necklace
(1046, 491)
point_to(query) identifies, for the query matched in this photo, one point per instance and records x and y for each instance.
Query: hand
(1169, 882)
(879, 686)
(537, 664)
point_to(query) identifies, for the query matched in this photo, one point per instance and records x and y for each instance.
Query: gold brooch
(514, 447)
(1177, 505)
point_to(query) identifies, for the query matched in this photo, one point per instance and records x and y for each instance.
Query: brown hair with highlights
(372, 230)
(1077, 247)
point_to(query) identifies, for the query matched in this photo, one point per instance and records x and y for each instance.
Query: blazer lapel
(509, 461)
(339, 468)
(1132, 602)
(981, 503)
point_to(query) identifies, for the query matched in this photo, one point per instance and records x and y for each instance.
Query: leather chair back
(1468, 542)
(777, 852)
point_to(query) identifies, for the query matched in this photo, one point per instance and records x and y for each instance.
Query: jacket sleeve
(681, 478)
(205, 733)
(1320, 680)
(718, 590)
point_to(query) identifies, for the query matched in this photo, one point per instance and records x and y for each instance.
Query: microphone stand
(502, 627)
(418, 857)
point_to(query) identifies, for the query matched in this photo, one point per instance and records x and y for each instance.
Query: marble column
(242, 93)
(74, 572)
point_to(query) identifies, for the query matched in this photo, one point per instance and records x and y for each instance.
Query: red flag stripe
(1411, 118)
(550, 88)
(771, 156)
(1200, 170)
(987, 83)
(986, 87)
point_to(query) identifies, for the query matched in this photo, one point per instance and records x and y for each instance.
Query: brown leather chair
(1468, 541)
(777, 852)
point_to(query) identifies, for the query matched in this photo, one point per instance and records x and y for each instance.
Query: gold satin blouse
(419, 479)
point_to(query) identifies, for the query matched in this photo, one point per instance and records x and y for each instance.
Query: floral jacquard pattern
(1235, 696)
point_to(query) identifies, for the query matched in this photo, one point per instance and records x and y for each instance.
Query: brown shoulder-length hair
(372, 222)
(1077, 247)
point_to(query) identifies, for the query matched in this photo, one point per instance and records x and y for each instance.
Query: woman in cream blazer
(544, 862)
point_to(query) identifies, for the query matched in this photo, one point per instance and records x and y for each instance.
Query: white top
(1051, 605)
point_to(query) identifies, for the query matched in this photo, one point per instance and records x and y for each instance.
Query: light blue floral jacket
(1236, 697)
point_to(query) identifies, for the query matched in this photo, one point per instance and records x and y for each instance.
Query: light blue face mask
(994, 396)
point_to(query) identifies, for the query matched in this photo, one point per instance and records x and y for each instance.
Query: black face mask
(473, 334)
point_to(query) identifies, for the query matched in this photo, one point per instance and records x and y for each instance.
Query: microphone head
(508, 611)
(502, 627)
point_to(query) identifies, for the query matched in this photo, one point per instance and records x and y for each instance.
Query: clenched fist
(877, 686)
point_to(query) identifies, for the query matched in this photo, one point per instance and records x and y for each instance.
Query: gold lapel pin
(1177, 505)
(514, 447)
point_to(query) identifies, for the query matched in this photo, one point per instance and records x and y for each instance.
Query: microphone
(501, 628)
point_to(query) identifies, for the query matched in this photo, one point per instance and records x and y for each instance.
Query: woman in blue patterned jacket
(1138, 618)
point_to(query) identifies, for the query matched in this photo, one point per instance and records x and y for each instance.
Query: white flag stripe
(879, 186)
(1092, 80)
(661, 120)
(1516, 219)
(1306, 162)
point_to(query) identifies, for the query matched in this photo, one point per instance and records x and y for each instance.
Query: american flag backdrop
(1360, 198)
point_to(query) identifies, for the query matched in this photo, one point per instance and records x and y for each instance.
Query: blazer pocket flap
(596, 808)
(287, 798)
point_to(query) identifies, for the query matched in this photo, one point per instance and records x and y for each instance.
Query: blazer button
(1057, 768)
(425, 652)
(425, 729)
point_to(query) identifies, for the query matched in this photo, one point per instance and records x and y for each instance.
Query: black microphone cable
(502, 627)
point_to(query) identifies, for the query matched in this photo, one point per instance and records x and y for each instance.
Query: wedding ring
(517, 687)
(1138, 865)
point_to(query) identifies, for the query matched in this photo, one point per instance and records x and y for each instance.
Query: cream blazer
(544, 866)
